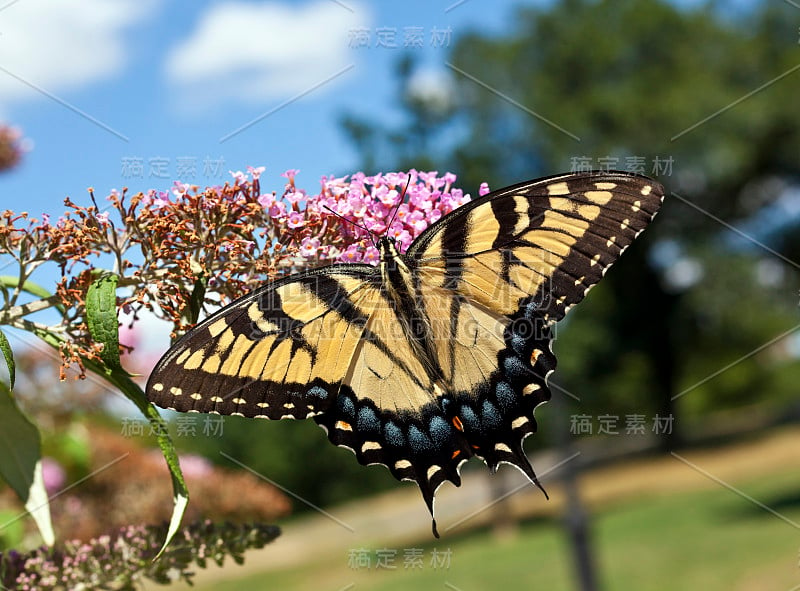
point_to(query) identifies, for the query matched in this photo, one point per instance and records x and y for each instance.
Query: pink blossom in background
(359, 207)
(417, 221)
(239, 176)
(290, 174)
(277, 209)
(352, 254)
(377, 228)
(295, 197)
(129, 335)
(266, 201)
(371, 256)
(156, 199)
(387, 197)
(195, 466)
(309, 247)
(179, 189)
(53, 475)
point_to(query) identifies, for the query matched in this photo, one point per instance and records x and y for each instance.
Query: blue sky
(101, 87)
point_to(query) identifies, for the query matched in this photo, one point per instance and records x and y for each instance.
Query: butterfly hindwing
(494, 370)
(389, 409)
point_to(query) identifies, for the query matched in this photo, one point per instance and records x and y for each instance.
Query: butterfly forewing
(545, 242)
(279, 352)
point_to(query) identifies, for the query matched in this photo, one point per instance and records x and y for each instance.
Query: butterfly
(432, 356)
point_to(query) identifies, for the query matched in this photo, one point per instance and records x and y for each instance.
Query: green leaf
(196, 299)
(101, 318)
(29, 286)
(180, 492)
(21, 462)
(134, 393)
(5, 347)
(121, 379)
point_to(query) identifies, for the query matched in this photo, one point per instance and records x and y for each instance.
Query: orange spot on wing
(457, 424)
(343, 426)
(455, 454)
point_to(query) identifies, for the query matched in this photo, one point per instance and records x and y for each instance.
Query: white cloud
(63, 45)
(434, 87)
(263, 51)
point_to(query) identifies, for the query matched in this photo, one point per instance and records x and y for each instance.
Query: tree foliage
(704, 100)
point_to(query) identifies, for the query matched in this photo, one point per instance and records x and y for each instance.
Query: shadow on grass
(784, 502)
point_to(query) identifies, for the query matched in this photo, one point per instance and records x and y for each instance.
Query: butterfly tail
(525, 466)
(429, 494)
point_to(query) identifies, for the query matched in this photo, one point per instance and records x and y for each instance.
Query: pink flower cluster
(226, 239)
(341, 222)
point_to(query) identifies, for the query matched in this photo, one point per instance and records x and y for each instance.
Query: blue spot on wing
(505, 395)
(518, 343)
(367, 421)
(418, 440)
(531, 308)
(318, 392)
(491, 417)
(346, 407)
(394, 435)
(514, 367)
(440, 430)
(469, 418)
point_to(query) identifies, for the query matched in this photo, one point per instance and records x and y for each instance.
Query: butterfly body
(436, 355)
(397, 278)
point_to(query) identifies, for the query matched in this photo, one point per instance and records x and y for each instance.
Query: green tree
(703, 99)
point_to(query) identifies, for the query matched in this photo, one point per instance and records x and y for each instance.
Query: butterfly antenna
(356, 224)
(397, 207)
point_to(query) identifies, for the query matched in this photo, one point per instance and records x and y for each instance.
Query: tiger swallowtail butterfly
(432, 356)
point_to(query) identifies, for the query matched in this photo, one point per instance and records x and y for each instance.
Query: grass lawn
(711, 539)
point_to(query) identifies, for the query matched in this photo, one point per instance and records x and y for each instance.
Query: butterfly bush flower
(180, 251)
(295, 220)
(255, 172)
(372, 202)
(309, 247)
(124, 560)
